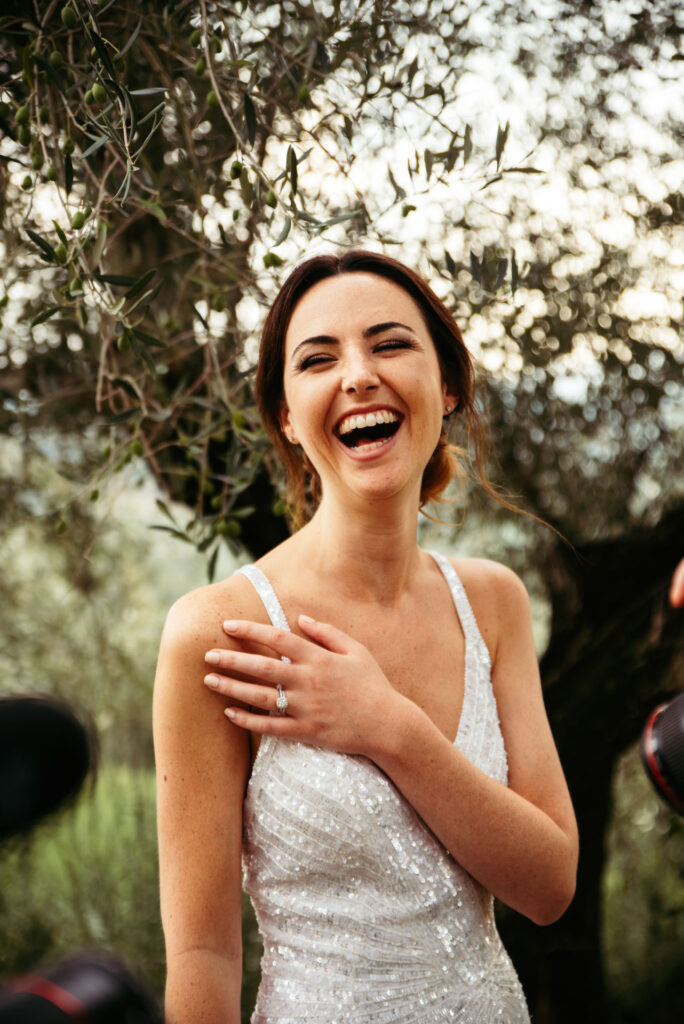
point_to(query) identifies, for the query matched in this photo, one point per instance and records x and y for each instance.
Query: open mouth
(368, 430)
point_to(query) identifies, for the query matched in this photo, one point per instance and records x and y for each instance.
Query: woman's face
(364, 394)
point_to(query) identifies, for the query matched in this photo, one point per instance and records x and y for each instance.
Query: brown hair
(454, 360)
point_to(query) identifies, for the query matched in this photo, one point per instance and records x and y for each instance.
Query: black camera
(46, 754)
(662, 752)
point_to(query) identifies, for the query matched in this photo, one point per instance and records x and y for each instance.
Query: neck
(370, 551)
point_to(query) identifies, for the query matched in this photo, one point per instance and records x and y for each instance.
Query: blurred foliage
(87, 881)
(643, 930)
(159, 162)
(81, 618)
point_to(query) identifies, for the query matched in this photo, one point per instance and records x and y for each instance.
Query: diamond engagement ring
(282, 701)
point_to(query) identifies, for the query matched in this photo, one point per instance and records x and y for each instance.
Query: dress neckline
(474, 645)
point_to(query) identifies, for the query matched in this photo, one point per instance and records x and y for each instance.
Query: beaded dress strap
(465, 612)
(262, 585)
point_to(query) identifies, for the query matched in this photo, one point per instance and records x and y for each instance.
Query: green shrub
(87, 880)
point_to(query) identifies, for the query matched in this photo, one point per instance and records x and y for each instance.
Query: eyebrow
(369, 332)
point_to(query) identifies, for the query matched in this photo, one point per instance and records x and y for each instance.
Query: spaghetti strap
(465, 612)
(264, 589)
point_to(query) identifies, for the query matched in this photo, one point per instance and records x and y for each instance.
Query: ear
(449, 397)
(284, 418)
(286, 424)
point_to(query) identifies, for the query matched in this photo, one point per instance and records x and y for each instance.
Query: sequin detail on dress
(365, 916)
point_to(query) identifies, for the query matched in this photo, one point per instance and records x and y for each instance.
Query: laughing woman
(353, 722)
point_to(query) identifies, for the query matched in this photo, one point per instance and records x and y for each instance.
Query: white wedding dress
(365, 916)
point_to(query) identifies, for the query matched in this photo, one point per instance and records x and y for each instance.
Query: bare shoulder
(194, 625)
(486, 581)
(497, 596)
(195, 619)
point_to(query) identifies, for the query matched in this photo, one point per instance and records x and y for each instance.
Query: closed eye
(315, 359)
(394, 343)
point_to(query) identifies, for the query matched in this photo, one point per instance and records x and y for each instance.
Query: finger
(259, 666)
(281, 641)
(273, 725)
(333, 639)
(255, 694)
(677, 587)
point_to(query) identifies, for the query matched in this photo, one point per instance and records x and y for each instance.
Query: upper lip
(364, 410)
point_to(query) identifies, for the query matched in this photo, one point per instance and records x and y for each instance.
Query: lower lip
(367, 453)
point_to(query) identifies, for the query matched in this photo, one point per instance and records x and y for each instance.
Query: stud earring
(447, 410)
(292, 439)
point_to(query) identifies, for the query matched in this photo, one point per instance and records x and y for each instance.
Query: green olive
(22, 114)
(99, 92)
(68, 17)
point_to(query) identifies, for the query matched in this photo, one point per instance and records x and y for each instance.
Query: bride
(354, 722)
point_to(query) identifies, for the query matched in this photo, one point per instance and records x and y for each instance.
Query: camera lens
(662, 751)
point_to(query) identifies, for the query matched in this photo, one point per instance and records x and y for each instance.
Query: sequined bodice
(365, 916)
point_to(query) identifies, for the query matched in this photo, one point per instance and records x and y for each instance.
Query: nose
(359, 375)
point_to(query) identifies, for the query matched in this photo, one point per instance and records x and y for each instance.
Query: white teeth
(370, 419)
(369, 446)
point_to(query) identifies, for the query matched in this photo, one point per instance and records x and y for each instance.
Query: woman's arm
(520, 840)
(202, 769)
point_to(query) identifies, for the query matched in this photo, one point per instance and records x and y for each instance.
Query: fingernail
(213, 681)
(230, 713)
(213, 657)
(231, 626)
(306, 618)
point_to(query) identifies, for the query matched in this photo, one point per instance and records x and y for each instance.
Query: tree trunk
(614, 645)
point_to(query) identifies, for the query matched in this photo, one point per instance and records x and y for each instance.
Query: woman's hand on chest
(330, 692)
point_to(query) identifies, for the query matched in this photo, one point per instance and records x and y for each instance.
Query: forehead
(348, 303)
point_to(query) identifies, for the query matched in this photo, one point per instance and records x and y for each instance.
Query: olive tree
(163, 165)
